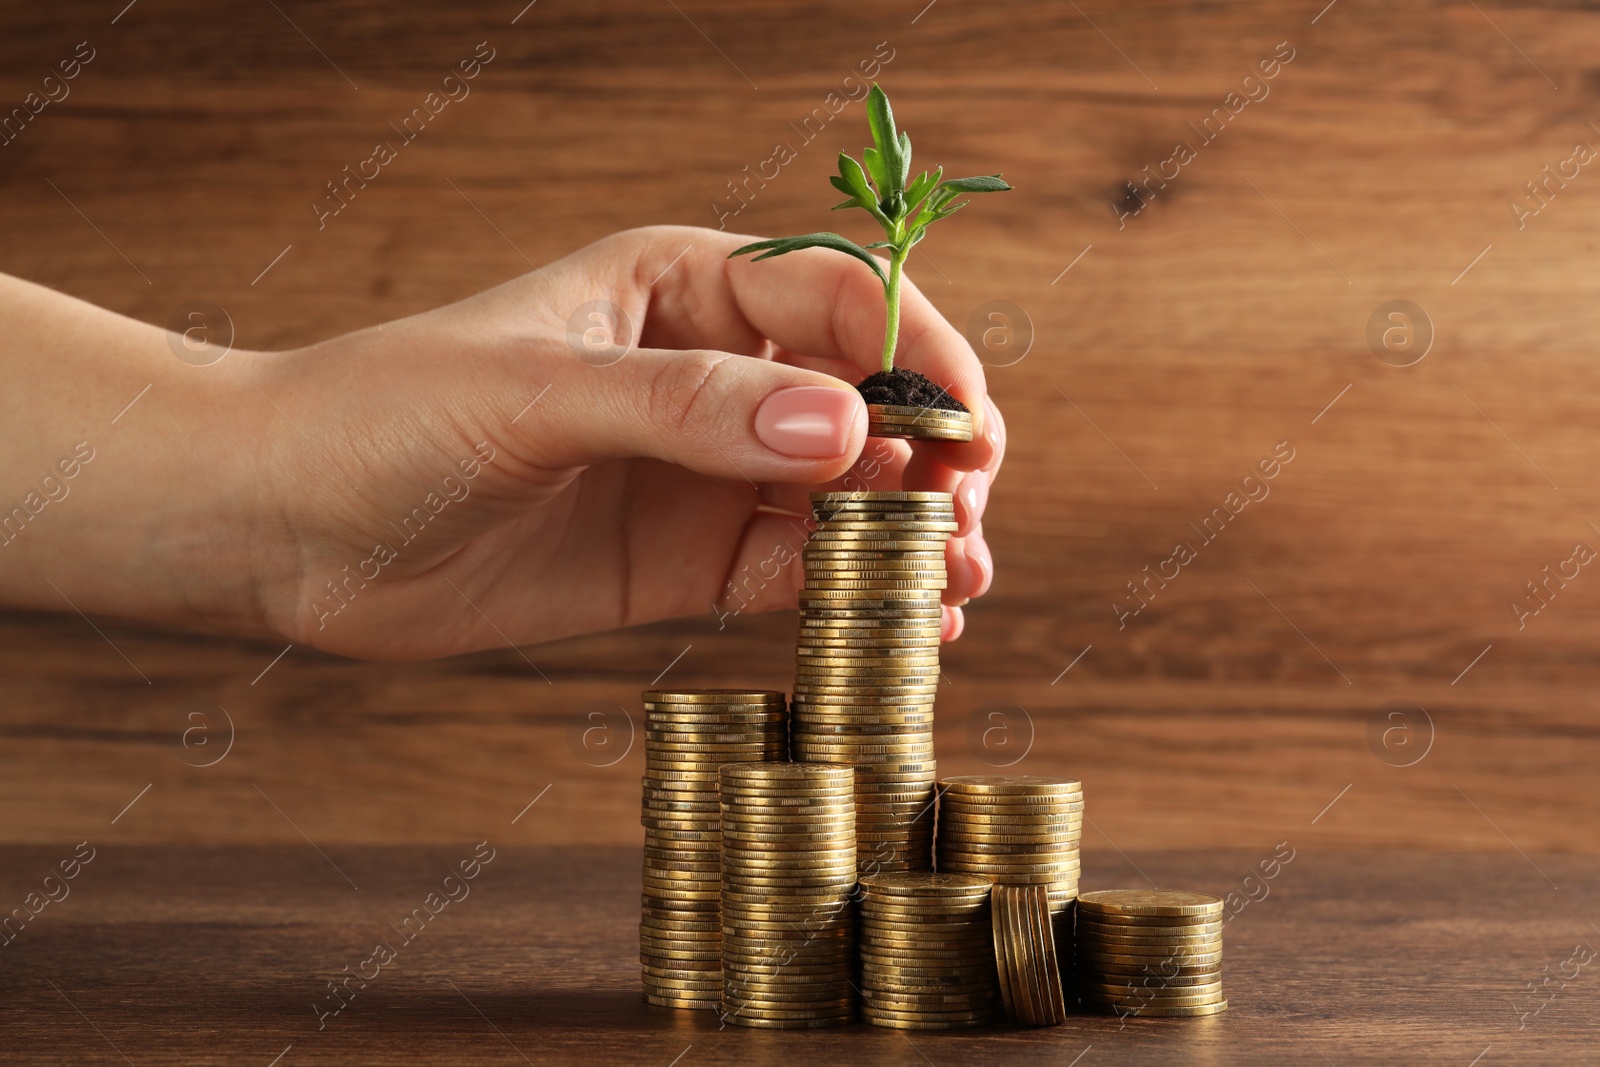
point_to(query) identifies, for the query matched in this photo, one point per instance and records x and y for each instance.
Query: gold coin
(1175, 935)
(1014, 785)
(927, 1018)
(1090, 942)
(912, 410)
(1178, 983)
(1154, 993)
(713, 696)
(1157, 1012)
(929, 884)
(1025, 985)
(836, 497)
(1149, 925)
(1186, 956)
(1150, 902)
(915, 423)
(781, 963)
(784, 775)
(1106, 970)
(825, 545)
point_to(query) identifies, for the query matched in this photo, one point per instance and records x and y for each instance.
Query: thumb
(721, 414)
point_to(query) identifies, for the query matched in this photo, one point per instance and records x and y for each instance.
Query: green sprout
(904, 211)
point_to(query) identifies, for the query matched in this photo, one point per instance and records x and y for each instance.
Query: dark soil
(907, 388)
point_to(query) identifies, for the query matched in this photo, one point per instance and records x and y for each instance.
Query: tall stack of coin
(689, 735)
(1019, 829)
(867, 663)
(927, 955)
(1148, 952)
(1025, 950)
(788, 878)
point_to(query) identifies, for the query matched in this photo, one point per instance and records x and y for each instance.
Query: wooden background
(232, 787)
(1225, 317)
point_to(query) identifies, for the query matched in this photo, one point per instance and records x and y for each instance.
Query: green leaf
(905, 158)
(874, 162)
(894, 157)
(989, 183)
(778, 246)
(919, 189)
(855, 180)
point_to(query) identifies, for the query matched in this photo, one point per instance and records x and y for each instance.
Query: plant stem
(891, 293)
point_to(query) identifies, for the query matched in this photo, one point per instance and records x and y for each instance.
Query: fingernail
(972, 495)
(808, 421)
(982, 564)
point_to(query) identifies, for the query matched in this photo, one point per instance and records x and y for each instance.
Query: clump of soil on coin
(907, 388)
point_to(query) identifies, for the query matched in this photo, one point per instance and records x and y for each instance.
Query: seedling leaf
(778, 246)
(878, 185)
(988, 183)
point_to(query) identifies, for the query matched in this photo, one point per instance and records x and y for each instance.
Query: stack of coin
(689, 735)
(788, 879)
(867, 663)
(919, 423)
(1019, 829)
(1025, 952)
(927, 956)
(1150, 952)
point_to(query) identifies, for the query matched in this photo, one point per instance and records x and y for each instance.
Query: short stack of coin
(927, 954)
(689, 735)
(918, 423)
(867, 662)
(1152, 953)
(1025, 953)
(788, 882)
(1019, 829)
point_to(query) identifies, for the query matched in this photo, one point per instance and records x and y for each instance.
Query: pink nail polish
(809, 421)
(972, 495)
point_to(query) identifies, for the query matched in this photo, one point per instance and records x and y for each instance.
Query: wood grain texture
(217, 955)
(1223, 318)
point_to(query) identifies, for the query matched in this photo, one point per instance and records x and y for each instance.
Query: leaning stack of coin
(788, 878)
(688, 736)
(867, 663)
(1019, 829)
(919, 423)
(1025, 952)
(927, 956)
(1150, 952)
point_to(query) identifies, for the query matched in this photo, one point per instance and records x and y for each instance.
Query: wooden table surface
(221, 954)
(1177, 338)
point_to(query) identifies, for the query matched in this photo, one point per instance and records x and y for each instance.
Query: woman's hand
(498, 471)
